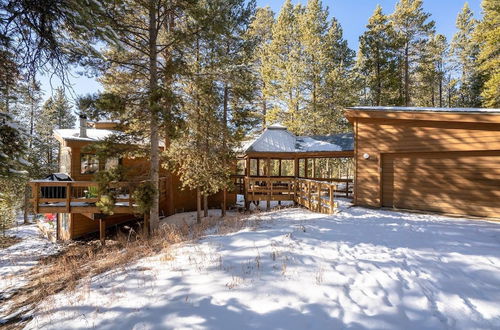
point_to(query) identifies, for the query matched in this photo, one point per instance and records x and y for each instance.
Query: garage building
(433, 159)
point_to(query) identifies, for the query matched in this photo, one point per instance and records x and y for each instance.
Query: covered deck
(309, 170)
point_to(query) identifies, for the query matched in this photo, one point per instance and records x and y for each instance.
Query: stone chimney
(83, 126)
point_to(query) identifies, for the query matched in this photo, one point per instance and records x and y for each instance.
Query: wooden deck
(316, 195)
(80, 196)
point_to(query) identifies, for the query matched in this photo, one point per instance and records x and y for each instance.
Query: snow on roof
(93, 134)
(273, 139)
(277, 138)
(426, 109)
(335, 142)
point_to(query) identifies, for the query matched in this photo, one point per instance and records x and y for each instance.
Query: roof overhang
(468, 115)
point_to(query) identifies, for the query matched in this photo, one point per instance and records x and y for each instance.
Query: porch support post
(269, 184)
(102, 231)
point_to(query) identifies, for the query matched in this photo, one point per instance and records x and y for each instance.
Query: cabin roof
(425, 109)
(93, 134)
(277, 138)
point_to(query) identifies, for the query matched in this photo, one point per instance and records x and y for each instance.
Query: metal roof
(279, 139)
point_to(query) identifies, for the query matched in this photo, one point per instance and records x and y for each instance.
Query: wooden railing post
(36, 197)
(332, 204)
(320, 203)
(68, 197)
(309, 195)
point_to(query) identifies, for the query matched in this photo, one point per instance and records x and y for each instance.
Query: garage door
(451, 182)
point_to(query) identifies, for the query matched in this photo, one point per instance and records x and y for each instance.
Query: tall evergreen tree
(488, 36)
(464, 51)
(430, 72)
(412, 29)
(283, 70)
(56, 113)
(340, 82)
(377, 61)
(260, 33)
(307, 70)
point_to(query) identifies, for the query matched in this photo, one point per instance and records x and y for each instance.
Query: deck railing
(81, 196)
(315, 195)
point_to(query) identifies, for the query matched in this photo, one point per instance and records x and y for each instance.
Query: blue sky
(352, 14)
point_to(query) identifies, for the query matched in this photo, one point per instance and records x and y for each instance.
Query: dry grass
(6, 241)
(80, 260)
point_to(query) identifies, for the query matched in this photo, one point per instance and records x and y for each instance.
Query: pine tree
(283, 70)
(260, 34)
(56, 113)
(430, 73)
(412, 31)
(13, 174)
(340, 82)
(307, 70)
(487, 35)
(465, 50)
(200, 154)
(377, 61)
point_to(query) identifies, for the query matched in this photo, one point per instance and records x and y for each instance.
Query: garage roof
(425, 109)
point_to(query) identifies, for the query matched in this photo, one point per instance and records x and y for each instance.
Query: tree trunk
(205, 205)
(26, 204)
(264, 108)
(154, 138)
(226, 101)
(198, 206)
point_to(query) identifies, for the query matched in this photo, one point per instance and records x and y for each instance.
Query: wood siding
(460, 154)
(451, 182)
(81, 225)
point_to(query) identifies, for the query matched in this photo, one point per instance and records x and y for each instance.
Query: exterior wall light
(366, 156)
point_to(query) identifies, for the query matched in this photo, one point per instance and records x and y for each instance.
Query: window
(240, 167)
(302, 168)
(253, 167)
(275, 167)
(310, 168)
(287, 167)
(262, 167)
(89, 164)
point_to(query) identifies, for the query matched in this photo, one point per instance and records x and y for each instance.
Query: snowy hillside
(359, 269)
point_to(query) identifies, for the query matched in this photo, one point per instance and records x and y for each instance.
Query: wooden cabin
(309, 170)
(432, 159)
(74, 201)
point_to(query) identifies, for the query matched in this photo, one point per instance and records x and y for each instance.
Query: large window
(275, 167)
(302, 168)
(89, 164)
(253, 167)
(287, 167)
(240, 167)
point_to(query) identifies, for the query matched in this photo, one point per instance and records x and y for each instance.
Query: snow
(427, 109)
(274, 139)
(277, 138)
(18, 259)
(294, 269)
(309, 144)
(93, 134)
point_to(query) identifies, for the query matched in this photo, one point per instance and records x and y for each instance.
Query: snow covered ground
(294, 269)
(19, 258)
